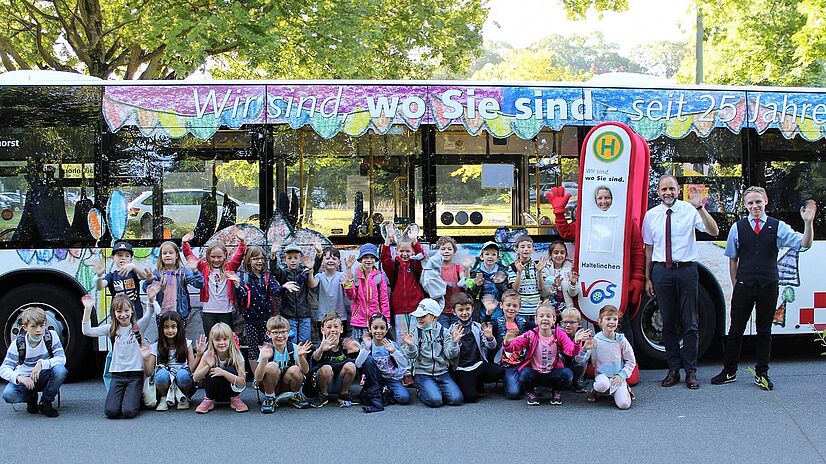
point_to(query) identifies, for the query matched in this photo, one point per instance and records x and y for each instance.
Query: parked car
(183, 206)
(14, 200)
(570, 187)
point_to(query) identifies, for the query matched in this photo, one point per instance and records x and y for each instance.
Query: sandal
(631, 394)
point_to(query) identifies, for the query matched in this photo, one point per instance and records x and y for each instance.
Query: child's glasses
(569, 322)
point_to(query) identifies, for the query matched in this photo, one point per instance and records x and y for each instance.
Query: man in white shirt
(671, 273)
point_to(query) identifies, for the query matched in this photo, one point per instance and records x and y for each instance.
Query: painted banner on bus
(353, 109)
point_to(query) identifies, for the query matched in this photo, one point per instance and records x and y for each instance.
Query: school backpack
(21, 346)
(290, 349)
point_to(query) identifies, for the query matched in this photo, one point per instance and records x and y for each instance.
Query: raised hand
(233, 277)
(202, 344)
(413, 231)
(350, 260)
(317, 245)
(303, 349)
(407, 338)
(367, 339)
(291, 286)
(519, 266)
(98, 266)
(457, 333)
(487, 330)
(558, 281)
(192, 264)
(240, 234)
(266, 351)
(581, 334)
(188, 237)
(126, 269)
(328, 343)
(558, 199)
(388, 345)
(308, 262)
(479, 280)
(808, 211)
(87, 301)
(543, 261)
(153, 290)
(589, 343)
(500, 277)
(695, 197)
(490, 304)
(146, 349)
(573, 278)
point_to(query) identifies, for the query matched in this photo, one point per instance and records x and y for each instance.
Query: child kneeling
(613, 359)
(37, 365)
(430, 349)
(472, 369)
(333, 365)
(541, 365)
(282, 366)
(221, 371)
(384, 365)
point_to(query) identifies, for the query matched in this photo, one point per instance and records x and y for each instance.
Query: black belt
(677, 264)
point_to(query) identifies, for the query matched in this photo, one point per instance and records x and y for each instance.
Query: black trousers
(743, 300)
(471, 383)
(210, 319)
(676, 291)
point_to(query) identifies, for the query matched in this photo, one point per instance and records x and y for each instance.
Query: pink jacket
(231, 266)
(530, 341)
(369, 296)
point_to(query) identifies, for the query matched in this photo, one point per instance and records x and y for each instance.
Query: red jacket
(231, 266)
(406, 290)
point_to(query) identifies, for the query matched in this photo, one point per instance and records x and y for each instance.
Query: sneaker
(183, 403)
(556, 397)
(763, 381)
(363, 378)
(408, 381)
(300, 401)
(532, 399)
(162, 406)
(319, 400)
(268, 405)
(345, 400)
(31, 405)
(724, 377)
(238, 405)
(578, 386)
(47, 410)
(205, 406)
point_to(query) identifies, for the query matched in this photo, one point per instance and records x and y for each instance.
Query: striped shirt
(10, 368)
(528, 287)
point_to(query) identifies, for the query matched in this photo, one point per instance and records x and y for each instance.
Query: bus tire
(64, 312)
(647, 327)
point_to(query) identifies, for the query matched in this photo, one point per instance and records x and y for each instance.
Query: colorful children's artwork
(116, 210)
(97, 226)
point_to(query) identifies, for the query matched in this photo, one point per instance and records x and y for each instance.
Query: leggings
(621, 396)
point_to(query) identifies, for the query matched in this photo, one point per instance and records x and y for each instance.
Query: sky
(522, 22)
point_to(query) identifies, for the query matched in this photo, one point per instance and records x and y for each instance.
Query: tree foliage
(660, 58)
(764, 42)
(143, 39)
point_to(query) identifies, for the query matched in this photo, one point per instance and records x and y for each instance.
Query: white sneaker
(162, 406)
(183, 403)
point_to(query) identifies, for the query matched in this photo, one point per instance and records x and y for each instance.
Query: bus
(303, 161)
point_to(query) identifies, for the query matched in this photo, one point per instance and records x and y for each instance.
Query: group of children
(387, 323)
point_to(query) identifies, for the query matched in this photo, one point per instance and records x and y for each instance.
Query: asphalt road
(716, 424)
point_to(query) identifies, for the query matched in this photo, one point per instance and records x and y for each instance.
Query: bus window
(713, 164)
(791, 171)
(553, 161)
(327, 175)
(47, 140)
(204, 184)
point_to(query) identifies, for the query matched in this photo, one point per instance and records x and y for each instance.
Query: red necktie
(757, 226)
(668, 261)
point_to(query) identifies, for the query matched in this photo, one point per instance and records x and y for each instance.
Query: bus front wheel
(63, 314)
(648, 329)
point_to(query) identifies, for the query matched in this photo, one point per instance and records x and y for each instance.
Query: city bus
(90, 161)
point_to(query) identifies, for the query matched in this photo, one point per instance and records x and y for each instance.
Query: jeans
(511, 383)
(373, 381)
(435, 390)
(183, 379)
(557, 379)
(49, 383)
(124, 397)
(743, 299)
(301, 329)
(676, 291)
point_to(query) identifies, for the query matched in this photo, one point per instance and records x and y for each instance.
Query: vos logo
(599, 291)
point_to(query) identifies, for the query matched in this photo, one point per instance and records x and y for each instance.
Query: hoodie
(530, 341)
(369, 296)
(432, 350)
(610, 357)
(407, 292)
